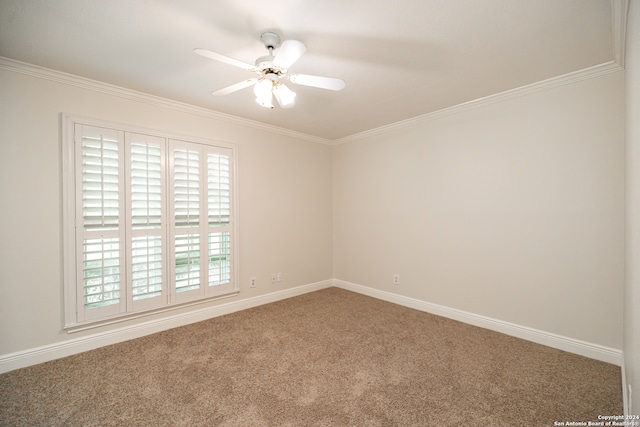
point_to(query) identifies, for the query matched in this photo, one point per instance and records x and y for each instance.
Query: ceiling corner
(619, 12)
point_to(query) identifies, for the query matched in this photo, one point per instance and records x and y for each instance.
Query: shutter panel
(147, 254)
(219, 227)
(187, 234)
(100, 233)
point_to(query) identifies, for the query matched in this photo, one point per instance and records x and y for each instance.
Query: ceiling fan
(272, 71)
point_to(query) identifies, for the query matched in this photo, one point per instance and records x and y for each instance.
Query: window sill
(78, 327)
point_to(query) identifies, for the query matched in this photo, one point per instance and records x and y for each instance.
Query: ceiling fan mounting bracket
(271, 40)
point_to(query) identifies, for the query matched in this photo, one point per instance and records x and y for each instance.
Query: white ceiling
(399, 58)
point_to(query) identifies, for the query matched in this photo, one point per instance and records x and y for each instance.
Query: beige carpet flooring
(328, 358)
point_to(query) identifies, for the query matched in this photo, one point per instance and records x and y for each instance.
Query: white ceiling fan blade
(234, 87)
(289, 53)
(317, 81)
(222, 58)
(285, 96)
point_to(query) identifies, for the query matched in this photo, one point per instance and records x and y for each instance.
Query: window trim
(70, 246)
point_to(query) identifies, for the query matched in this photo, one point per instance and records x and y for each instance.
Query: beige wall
(284, 205)
(632, 285)
(513, 210)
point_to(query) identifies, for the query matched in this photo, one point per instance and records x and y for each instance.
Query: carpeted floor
(328, 358)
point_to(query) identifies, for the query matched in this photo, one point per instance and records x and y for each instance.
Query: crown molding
(157, 101)
(554, 82)
(619, 12)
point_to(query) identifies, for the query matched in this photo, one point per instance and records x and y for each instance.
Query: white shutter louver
(187, 188)
(219, 189)
(146, 186)
(100, 183)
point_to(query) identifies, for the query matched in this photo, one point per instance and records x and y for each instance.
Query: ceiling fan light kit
(285, 96)
(272, 71)
(263, 91)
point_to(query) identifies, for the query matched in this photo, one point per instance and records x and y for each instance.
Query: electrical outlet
(279, 277)
(274, 278)
(396, 279)
(253, 282)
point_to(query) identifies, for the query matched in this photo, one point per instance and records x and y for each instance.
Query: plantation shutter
(149, 221)
(146, 222)
(187, 231)
(202, 229)
(219, 205)
(99, 221)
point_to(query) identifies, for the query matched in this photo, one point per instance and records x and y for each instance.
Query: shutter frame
(76, 316)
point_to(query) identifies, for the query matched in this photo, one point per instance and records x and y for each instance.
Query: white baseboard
(593, 351)
(33, 356)
(625, 394)
(21, 359)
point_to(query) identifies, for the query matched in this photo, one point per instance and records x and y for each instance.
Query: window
(149, 221)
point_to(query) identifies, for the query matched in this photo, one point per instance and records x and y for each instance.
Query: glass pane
(146, 266)
(101, 267)
(219, 258)
(187, 262)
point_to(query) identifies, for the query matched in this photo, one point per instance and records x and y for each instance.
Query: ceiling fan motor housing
(265, 62)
